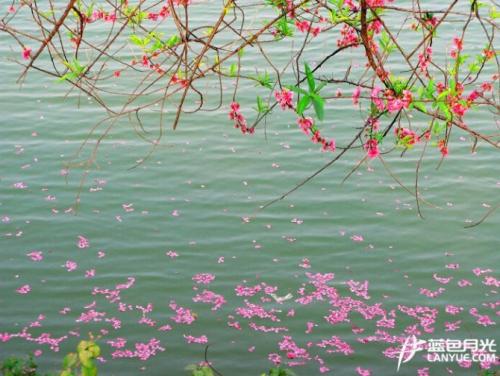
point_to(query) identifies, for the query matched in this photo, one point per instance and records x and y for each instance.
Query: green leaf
(494, 13)
(86, 357)
(386, 42)
(438, 128)
(321, 86)
(303, 103)
(233, 69)
(89, 371)
(70, 360)
(297, 89)
(443, 95)
(453, 86)
(136, 40)
(173, 40)
(265, 80)
(319, 106)
(445, 110)
(310, 78)
(420, 106)
(261, 106)
(431, 88)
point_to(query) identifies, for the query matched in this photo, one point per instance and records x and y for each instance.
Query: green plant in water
(489, 372)
(83, 360)
(14, 366)
(199, 370)
(278, 371)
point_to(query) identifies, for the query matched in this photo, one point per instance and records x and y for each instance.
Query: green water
(212, 177)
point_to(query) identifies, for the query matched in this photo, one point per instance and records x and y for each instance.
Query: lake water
(198, 196)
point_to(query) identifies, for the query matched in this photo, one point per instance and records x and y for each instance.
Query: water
(195, 196)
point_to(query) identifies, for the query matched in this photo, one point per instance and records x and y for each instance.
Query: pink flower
(275, 359)
(238, 118)
(355, 95)
(458, 44)
(309, 327)
(202, 339)
(453, 310)
(305, 124)
(432, 294)
(328, 145)
(70, 265)
(24, 289)
(358, 288)
(464, 283)
(315, 31)
(378, 102)
(424, 60)
(486, 86)
(82, 242)
(26, 53)
(211, 298)
(172, 254)
(357, 238)
(485, 320)
(306, 264)
(407, 136)
(35, 255)
(20, 185)
(363, 371)
(491, 281)
(302, 26)
(182, 315)
(479, 271)
(473, 96)
(456, 48)
(349, 37)
(90, 273)
(203, 278)
(459, 109)
(452, 326)
(372, 149)
(423, 372)
(336, 345)
(284, 98)
(443, 280)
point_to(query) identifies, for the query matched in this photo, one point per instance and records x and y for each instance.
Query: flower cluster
(424, 59)
(307, 126)
(284, 98)
(306, 26)
(238, 118)
(349, 37)
(406, 137)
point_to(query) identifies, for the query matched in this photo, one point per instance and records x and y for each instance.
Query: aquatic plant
(83, 360)
(14, 366)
